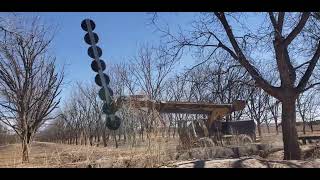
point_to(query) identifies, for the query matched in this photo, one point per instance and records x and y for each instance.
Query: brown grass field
(45, 154)
(158, 152)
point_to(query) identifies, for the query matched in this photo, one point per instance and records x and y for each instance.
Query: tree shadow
(238, 163)
(267, 163)
(199, 164)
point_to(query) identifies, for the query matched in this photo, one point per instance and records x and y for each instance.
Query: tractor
(210, 131)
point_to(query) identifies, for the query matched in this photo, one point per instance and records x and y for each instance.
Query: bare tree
(151, 68)
(286, 39)
(273, 108)
(307, 108)
(29, 80)
(257, 106)
(3, 134)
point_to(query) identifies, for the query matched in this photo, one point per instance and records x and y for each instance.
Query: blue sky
(120, 34)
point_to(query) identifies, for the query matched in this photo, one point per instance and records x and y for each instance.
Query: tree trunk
(76, 139)
(311, 127)
(134, 138)
(81, 139)
(104, 139)
(70, 139)
(174, 132)
(303, 126)
(259, 127)
(268, 128)
(289, 131)
(115, 139)
(141, 134)
(25, 151)
(25, 146)
(90, 140)
(276, 123)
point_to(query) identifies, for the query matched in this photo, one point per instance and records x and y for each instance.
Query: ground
(246, 162)
(45, 154)
(159, 152)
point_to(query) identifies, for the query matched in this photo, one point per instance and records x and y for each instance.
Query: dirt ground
(157, 153)
(246, 162)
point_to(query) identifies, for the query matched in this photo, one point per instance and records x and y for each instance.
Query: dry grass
(155, 152)
(42, 154)
(272, 129)
(159, 153)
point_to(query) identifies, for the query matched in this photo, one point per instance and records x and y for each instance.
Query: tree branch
(305, 78)
(297, 29)
(309, 87)
(295, 68)
(261, 82)
(273, 20)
